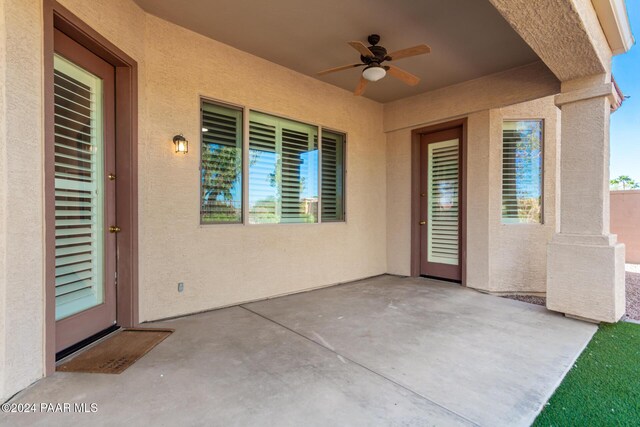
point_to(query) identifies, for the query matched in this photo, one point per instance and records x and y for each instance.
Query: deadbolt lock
(114, 229)
(111, 176)
(423, 222)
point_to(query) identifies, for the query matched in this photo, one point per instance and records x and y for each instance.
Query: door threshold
(442, 279)
(69, 351)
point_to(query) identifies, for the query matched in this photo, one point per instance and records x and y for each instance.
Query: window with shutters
(522, 171)
(221, 164)
(333, 148)
(283, 170)
(79, 188)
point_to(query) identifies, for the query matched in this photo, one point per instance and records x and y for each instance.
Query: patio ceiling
(469, 38)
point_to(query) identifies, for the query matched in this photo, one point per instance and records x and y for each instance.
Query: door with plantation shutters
(440, 204)
(85, 249)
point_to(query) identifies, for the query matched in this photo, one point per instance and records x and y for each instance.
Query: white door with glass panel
(85, 261)
(440, 204)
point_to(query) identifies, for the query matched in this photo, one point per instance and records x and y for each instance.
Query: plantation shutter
(263, 169)
(443, 184)
(332, 176)
(521, 171)
(297, 141)
(282, 170)
(78, 188)
(221, 167)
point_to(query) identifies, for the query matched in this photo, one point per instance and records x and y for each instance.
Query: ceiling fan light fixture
(373, 73)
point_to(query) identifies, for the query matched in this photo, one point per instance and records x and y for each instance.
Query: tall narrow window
(221, 164)
(283, 170)
(522, 171)
(333, 148)
(79, 188)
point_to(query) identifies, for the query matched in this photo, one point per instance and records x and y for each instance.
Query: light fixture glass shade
(182, 145)
(374, 73)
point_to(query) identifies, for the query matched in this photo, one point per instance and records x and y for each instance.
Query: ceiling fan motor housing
(373, 39)
(379, 55)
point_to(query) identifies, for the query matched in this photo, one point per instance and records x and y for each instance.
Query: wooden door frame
(126, 134)
(415, 193)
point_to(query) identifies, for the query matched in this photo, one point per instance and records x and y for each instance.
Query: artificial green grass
(603, 387)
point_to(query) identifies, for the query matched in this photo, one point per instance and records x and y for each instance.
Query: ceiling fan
(373, 57)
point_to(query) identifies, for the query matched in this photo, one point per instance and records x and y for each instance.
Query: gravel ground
(633, 293)
(528, 298)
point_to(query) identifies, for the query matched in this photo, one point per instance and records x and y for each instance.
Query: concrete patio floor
(381, 351)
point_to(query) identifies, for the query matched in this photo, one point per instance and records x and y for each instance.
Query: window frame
(201, 100)
(320, 127)
(344, 175)
(542, 170)
(246, 112)
(294, 123)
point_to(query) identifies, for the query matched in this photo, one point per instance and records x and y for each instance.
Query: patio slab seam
(368, 369)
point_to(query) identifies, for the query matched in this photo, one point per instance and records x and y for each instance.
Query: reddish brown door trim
(415, 193)
(448, 271)
(126, 88)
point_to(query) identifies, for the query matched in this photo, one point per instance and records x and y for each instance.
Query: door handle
(114, 229)
(423, 222)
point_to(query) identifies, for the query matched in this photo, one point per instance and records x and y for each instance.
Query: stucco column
(585, 265)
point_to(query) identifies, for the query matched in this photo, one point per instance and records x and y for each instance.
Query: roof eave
(614, 21)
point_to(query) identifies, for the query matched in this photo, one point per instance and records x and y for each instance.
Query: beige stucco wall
(478, 267)
(500, 257)
(222, 265)
(21, 195)
(518, 252)
(625, 222)
(3, 191)
(399, 202)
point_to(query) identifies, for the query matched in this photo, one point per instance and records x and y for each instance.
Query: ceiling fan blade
(344, 67)
(421, 49)
(403, 75)
(362, 84)
(360, 47)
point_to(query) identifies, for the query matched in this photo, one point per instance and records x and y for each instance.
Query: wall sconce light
(182, 145)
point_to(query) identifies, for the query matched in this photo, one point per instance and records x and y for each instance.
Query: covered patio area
(381, 351)
(165, 159)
